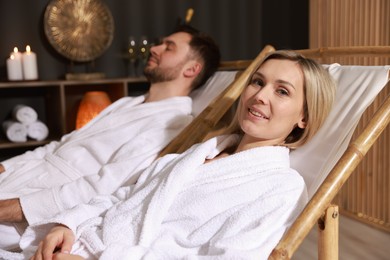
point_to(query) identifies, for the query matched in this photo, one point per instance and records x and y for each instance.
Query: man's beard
(157, 74)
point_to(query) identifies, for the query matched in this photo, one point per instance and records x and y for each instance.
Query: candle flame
(16, 49)
(28, 49)
(12, 57)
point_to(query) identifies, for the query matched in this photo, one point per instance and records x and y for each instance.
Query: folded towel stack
(25, 124)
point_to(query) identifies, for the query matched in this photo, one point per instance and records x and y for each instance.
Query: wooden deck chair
(330, 169)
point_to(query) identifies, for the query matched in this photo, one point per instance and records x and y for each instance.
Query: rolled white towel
(37, 130)
(15, 131)
(24, 114)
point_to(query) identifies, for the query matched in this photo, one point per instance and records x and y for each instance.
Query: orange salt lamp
(92, 103)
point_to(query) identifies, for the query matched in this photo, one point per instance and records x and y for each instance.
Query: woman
(232, 196)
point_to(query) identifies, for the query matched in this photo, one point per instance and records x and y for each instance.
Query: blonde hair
(319, 91)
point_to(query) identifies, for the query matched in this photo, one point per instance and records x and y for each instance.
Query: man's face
(167, 60)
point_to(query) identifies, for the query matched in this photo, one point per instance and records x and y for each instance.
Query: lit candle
(14, 66)
(30, 67)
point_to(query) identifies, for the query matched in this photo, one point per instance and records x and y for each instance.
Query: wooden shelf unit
(56, 103)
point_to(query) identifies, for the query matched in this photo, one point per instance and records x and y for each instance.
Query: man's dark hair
(206, 49)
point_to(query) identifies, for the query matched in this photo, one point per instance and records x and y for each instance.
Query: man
(87, 162)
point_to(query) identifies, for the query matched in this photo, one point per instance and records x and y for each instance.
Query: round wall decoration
(80, 30)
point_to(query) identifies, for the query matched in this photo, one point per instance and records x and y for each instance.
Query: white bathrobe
(236, 207)
(127, 129)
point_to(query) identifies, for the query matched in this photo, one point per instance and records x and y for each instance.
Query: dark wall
(285, 24)
(241, 28)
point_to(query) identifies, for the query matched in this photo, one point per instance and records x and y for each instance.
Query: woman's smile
(257, 113)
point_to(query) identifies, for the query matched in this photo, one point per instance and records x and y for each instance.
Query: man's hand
(61, 239)
(11, 211)
(2, 169)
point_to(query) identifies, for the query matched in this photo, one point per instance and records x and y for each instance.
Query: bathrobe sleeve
(82, 214)
(70, 218)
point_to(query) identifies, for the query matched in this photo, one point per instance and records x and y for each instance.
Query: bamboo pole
(332, 184)
(345, 51)
(234, 65)
(328, 234)
(320, 53)
(207, 120)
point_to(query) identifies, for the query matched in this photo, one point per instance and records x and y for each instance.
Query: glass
(132, 55)
(144, 49)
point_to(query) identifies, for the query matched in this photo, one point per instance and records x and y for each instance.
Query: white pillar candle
(30, 67)
(14, 65)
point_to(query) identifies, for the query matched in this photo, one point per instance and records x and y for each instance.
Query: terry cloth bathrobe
(236, 207)
(127, 129)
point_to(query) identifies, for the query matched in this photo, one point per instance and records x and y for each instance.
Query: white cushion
(203, 96)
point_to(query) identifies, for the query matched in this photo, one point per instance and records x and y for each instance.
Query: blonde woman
(232, 196)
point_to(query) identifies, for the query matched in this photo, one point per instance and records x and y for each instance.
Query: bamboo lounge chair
(329, 168)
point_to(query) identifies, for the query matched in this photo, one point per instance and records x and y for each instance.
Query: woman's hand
(59, 239)
(2, 169)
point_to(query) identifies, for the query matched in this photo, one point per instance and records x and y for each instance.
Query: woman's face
(272, 103)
